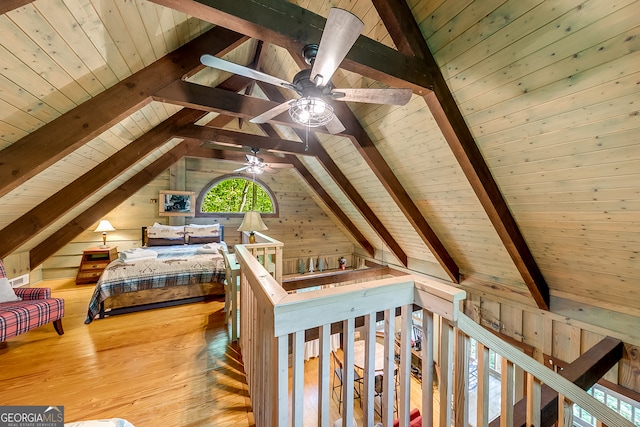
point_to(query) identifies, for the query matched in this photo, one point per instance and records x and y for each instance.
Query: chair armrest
(33, 293)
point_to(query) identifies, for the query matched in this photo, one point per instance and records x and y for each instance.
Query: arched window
(232, 195)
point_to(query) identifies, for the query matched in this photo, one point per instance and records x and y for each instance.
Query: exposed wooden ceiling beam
(199, 97)
(8, 5)
(406, 34)
(292, 27)
(341, 180)
(240, 139)
(47, 212)
(90, 216)
(45, 146)
(332, 205)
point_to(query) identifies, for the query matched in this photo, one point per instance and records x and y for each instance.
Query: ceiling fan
(255, 164)
(314, 85)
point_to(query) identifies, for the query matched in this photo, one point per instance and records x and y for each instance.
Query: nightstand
(94, 261)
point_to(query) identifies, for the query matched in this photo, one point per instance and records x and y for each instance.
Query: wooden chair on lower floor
(336, 381)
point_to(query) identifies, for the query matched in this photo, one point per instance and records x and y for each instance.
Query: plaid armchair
(36, 308)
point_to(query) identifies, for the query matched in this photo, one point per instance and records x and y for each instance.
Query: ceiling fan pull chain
(306, 138)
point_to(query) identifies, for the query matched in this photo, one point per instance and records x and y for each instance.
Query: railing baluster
(405, 364)
(482, 390)
(506, 399)
(461, 379)
(323, 376)
(282, 373)
(533, 400)
(388, 384)
(367, 396)
(347, 374)
(297, 391)
(427, 368)
(446, 372)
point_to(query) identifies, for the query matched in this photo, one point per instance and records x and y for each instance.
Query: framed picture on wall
(177, 203)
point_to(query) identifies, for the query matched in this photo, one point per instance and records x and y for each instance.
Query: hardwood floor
(171, 367)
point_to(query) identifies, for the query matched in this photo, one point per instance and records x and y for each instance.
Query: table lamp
(103, 227)
(251, 222)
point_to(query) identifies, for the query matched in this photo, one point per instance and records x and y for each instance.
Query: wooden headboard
(144, 238)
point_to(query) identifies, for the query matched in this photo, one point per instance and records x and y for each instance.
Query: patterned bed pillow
(3, 273)
(202, 233)
(166, 232)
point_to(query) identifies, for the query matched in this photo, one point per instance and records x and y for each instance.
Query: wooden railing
(268, 251)
(272, 321)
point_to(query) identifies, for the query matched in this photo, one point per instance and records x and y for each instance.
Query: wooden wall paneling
(629, 367)
(533, 333)
(333, 207)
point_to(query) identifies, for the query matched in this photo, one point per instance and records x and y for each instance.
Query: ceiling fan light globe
(311, 111)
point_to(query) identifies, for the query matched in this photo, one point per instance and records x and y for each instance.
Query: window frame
(219, 179)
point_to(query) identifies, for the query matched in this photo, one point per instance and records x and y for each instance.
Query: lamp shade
(252, 221)
(104, 226)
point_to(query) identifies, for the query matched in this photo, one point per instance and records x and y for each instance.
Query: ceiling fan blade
(269, 114)
(340, 33)
(373, 96)
(334, 126)
(224, 65)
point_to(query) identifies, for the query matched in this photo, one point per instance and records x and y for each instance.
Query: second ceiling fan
(314, 85)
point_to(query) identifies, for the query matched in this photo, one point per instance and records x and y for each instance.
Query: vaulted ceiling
(512, 170)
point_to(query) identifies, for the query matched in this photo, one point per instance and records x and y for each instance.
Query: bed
(175, 265)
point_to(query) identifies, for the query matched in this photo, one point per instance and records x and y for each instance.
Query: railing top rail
(310, 309)
(262, 241)
(256, 273)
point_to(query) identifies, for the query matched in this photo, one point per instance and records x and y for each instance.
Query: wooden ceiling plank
(45, 146)
(47, 212)
(315, 148)
(93, 214)
(332, 205)
(406, 34)
(292, 27)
